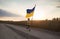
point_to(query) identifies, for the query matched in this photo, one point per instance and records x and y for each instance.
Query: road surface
(8, 31)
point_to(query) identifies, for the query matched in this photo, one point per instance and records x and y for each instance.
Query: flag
(30, 12)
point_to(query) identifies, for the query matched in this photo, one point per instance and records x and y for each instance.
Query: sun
(39, 16)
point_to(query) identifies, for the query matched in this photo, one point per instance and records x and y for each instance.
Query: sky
(45, 9)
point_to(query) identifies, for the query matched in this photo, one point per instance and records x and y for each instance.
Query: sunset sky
(45, 9)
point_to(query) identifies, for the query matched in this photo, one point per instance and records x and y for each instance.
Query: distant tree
(56, 19)
(53, 19)
(46, 19)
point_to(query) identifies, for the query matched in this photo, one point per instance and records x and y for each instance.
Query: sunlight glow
(43, 10)
(38, 16)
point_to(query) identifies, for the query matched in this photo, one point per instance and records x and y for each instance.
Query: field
(53, 25)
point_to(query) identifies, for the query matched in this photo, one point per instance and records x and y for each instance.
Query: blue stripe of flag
(30, 10)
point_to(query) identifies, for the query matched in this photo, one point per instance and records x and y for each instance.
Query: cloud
(4, 13)
(54, 0)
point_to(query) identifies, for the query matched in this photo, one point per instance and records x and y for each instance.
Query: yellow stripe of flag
(29, 15)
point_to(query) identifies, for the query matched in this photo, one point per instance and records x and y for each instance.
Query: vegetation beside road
(53, 25)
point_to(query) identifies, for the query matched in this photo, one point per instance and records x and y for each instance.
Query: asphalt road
(8, 31)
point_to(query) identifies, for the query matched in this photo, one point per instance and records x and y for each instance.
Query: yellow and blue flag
(30, 12)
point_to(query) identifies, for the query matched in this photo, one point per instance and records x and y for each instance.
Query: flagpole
(31, 20)
(32, 17)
